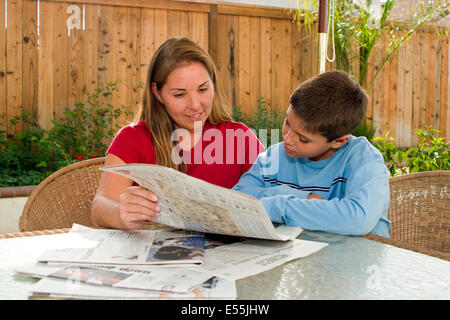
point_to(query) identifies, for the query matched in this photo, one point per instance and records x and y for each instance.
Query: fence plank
(161, 27)
(423, 80)
(279, 72)
(199, 33)
(46, 65)
(266, 70)
(14, 63)
(147, 46)
(296, 56)
(255, 61)
(384, 98)
(76, 66)
(392, 91)
(416, 86)
(430, 80)
(234, 62)
(404, 98)
(377, 92)
(243, 87)
(435, 98)
(222, 57)
(106, 54)
(29, 56)
(133, 58)
(91, 48)
(3, 89)
(62, 53)
(445, 88)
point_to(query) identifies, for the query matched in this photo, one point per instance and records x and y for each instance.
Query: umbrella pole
(322, 28)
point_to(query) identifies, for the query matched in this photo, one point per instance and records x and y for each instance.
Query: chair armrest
(408, 246)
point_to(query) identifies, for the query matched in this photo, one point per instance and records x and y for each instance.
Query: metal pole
(322, 28)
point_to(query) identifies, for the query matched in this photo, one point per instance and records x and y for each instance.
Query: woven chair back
(419, 209)
(63, 198)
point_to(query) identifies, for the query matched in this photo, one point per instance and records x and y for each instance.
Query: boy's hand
(314, 196)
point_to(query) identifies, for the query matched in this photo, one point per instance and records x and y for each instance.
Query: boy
(321, 177)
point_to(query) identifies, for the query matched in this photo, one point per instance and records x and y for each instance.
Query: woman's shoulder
(136, 126)
(133, 144)
(135, 129)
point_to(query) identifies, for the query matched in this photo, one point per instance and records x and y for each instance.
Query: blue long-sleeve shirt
(353, 183)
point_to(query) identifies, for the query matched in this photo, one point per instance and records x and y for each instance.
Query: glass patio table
(348, 268)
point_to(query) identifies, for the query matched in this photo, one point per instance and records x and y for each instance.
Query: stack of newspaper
(189, 260)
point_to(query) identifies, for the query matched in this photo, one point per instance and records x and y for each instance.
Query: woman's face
(187, 94)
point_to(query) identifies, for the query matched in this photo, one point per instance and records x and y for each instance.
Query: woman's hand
(137, 206)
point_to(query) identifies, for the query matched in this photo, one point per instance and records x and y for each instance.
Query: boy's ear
(339, 142)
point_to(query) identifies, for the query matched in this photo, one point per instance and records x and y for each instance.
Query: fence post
(212, 32)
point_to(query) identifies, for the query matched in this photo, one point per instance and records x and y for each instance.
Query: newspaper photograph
(131, 247)
(60, 288)
(193, 204)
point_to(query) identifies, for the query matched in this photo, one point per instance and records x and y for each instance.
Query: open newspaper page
(193, 204)
(243, 259)
(62, 288)
(131, 247)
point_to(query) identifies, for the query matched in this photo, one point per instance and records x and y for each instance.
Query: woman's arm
(118, 204)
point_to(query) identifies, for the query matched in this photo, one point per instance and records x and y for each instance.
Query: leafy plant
(267, 122)
(364, 129)
(431, 153)
(86, 130)
(358, 27)
(28, 157)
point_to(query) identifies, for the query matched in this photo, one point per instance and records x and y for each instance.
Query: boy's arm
(367, 197)
(252, 182)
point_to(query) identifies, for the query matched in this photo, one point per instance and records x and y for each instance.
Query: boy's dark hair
(331, 104)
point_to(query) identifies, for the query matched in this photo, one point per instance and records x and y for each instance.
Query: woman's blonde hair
(170, 55)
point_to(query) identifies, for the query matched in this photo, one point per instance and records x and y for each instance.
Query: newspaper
(225, 260)
(177, 280)
(62, 288)
(193, 204)
(136, 247)
(243, 259)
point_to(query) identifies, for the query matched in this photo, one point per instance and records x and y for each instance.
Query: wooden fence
(260, 52)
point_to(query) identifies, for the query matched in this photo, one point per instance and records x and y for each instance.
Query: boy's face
(299, 143)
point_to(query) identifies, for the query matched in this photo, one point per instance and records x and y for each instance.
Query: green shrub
(364, 129)
(431, 153)
(266, 122)
(28, 157)
(86, 130)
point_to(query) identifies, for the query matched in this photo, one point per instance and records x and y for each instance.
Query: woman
(184, 124)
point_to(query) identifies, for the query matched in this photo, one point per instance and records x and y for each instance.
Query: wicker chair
(419, 213)
(63, 198)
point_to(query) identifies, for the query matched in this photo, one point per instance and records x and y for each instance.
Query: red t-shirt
(228, 150)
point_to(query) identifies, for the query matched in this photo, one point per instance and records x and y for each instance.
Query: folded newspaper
(62, 288)
(193, 204)
(132, 247)
(169, 280)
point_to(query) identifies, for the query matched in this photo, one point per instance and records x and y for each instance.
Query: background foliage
(84, 132)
